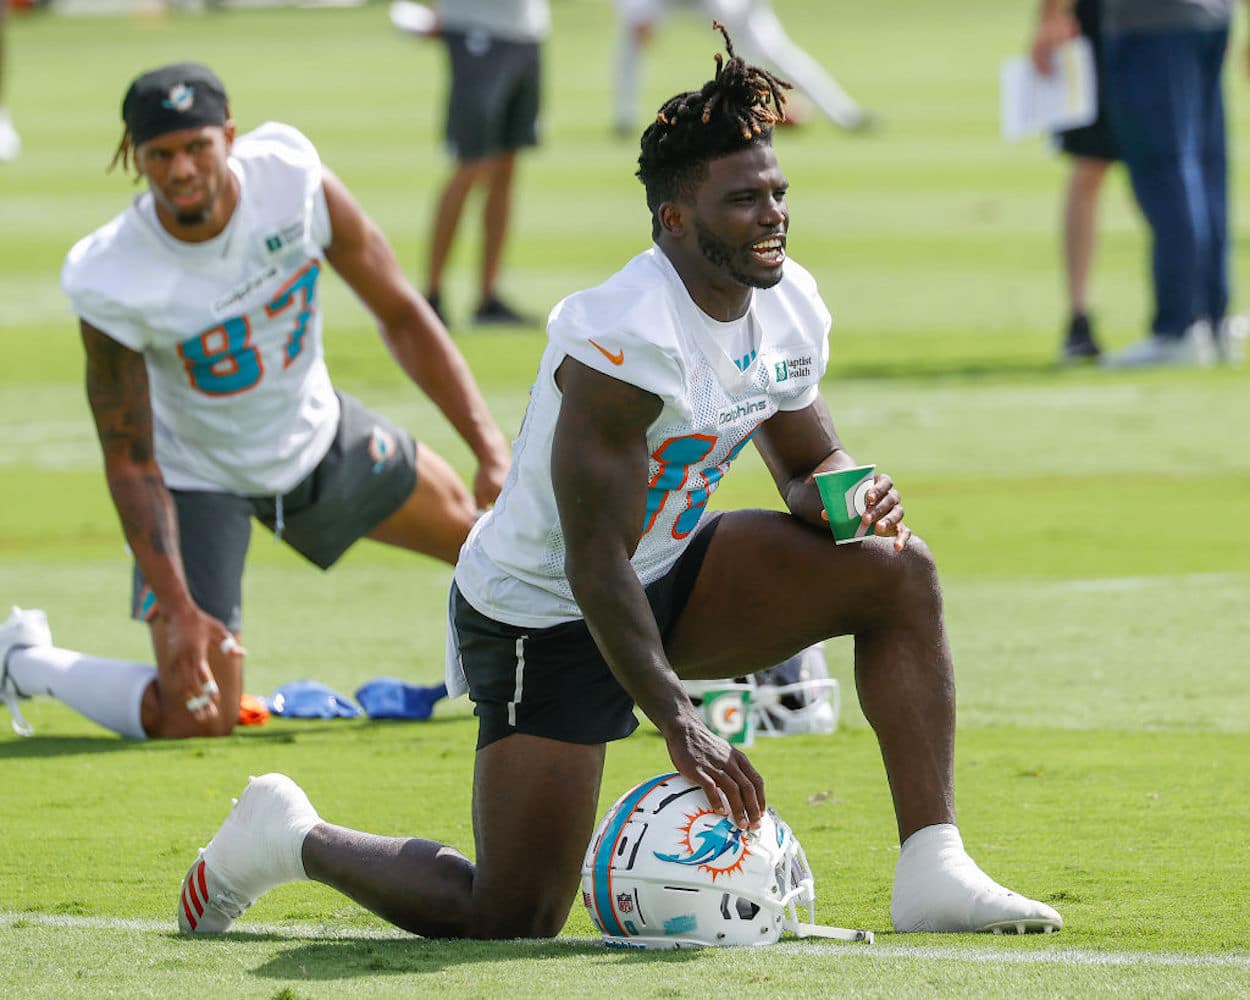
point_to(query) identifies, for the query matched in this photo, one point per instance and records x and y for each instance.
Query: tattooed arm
(117, 390)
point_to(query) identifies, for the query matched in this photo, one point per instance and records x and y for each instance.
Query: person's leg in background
(1213, 154)
(1080, 232)
(1154, 89)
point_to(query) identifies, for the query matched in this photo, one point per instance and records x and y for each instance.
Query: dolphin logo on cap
(181, 97)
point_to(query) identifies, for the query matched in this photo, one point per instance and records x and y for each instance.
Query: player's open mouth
(770, 252)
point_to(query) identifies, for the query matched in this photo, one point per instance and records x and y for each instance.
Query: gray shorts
(495, 95)
(369, 471)
(554, 682)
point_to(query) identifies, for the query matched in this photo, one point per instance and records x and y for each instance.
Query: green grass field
(1090, 527)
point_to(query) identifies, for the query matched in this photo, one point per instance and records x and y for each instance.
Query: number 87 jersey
(230, 329)
(717, 381)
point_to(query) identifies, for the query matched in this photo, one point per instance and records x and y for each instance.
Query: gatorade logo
(728, 715)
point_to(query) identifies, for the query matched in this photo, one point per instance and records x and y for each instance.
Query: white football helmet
(664, 871)
(795, 696)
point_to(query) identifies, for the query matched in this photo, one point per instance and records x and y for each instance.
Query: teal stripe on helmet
(607, 847)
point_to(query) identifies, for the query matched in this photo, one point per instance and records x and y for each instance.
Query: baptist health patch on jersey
(642, 327)
(230, 328)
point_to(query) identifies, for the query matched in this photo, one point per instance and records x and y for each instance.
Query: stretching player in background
(207, 380)
(760, 36)
(598, 584)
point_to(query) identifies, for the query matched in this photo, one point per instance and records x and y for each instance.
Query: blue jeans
(1166, 105)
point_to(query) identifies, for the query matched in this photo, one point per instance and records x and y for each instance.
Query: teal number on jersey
(222, 361)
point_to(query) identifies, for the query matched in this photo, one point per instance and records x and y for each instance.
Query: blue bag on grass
(391, 698)
(311, 700)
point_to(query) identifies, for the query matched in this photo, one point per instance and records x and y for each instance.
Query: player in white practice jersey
(598, 582)
(201, 320)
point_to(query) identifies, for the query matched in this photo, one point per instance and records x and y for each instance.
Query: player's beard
(192, 217)
(720, 254)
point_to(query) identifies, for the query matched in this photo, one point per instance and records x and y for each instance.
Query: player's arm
(117, 391)
(599, 468)
(796, 444)
(416, 338)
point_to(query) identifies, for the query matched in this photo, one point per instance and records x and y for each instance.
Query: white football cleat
(20, 630)
(255, 849)
(938, 888)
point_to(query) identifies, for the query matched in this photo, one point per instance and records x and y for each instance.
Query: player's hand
(1052, 32)
(492, 470)
(733, 787)
(884, 511)
(190, 638)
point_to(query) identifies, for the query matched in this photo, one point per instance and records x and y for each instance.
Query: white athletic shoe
(256, 848)
(1194, 349)
(1230, 339)
(938, 888)
(21, 629)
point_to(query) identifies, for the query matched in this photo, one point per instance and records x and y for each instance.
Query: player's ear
(228, 131)
(672, 216)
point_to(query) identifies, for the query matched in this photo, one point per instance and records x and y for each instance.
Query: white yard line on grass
(887, 951)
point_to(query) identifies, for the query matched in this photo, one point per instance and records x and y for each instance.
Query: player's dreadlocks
(735, 109)
(124, 150)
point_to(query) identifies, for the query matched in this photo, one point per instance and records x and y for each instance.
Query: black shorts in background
(495, 94)
(1095, 141)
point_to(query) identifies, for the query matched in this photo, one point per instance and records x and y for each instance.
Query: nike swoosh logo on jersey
(617, 359)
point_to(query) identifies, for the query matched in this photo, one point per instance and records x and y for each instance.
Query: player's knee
(539, 918)
(519, 925)
(915, 574)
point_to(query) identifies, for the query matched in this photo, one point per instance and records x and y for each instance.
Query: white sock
(109, 692)
(941, 842)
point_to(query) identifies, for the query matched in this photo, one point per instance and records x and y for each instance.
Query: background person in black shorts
(1093, 149)
(494, 48)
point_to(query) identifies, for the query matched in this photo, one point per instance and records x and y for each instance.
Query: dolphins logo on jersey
(709, 842)
(181, 97)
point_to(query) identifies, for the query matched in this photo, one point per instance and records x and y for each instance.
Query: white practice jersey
(718, 382)
(230, 329)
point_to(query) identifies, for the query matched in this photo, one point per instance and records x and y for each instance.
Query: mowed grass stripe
(878, 950)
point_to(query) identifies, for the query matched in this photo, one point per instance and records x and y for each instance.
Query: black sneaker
(495, 311)
(1080, 344)
(436, 303)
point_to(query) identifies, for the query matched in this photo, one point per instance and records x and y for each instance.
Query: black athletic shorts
(369, 471)
(495, 94)
(554, 682)
(1096, 140)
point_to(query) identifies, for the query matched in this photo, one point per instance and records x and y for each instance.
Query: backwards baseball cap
(182, 95)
